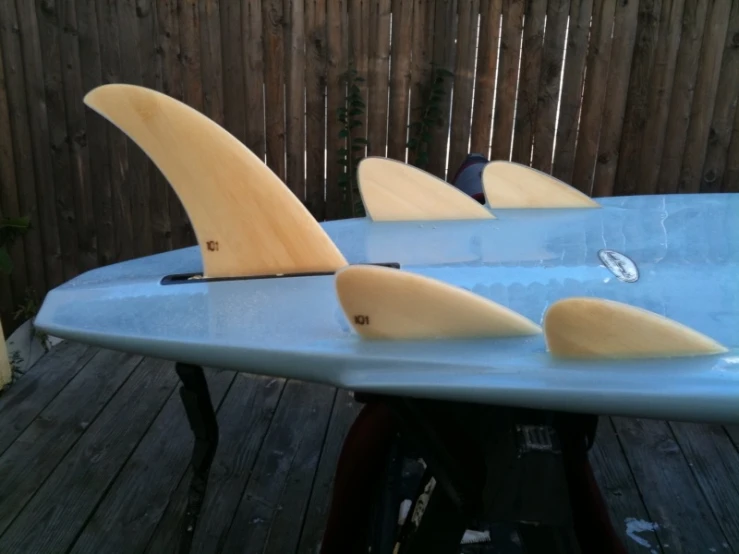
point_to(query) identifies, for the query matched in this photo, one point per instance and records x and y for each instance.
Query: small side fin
(386, 303)
(246, 220)
(512, 185)
(395, 191)
(602, 329)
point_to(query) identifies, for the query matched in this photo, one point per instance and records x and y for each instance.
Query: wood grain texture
(598, 328)
(485, 80)
(422, 52)
(5, 373)
(668, 488)
(621, 51)
(659, 95)
(550, 83)
(12, 287)
(686, 69)
(72, 491)
(512, 185)
(247, 222)
(731, 180)
(40, 385)
(464, 82)
(510, 44)
(528, 85)
(273, 17)
(270, 511)
(724, 112)
(572, 88)
(295, 97)
(386, 303)
(29, 461)
(704, 97)
(444, 56)
(211, 59)
(394, 191)
(252, 27)
(592, 111)
(337, 51)
(378, 77)
(120, 523)
(400, 78)
(636, 114)
(315, 106)
(250, 404)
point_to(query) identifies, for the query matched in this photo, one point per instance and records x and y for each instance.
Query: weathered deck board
(95, 449)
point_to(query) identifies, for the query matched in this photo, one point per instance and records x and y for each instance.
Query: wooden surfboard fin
(387, 303)
(392, 190)
(595, 328)
(246, 220)
(513, 185)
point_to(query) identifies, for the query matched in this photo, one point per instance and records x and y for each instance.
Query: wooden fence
(613, 96)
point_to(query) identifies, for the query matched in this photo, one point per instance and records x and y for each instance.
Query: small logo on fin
(620, 265)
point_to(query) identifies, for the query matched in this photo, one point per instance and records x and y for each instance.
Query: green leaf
(343, 151)
(343, 133)
(355, 111)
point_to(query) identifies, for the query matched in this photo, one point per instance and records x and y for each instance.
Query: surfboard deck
(675, 255)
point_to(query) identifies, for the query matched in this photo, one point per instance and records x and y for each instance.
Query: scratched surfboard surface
(675, 255)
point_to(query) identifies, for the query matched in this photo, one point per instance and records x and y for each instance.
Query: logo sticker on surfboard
(620, 265)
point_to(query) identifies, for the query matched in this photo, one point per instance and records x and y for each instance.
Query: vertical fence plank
(487, 67)
(731, 178)
(423, 18)
(20, 129)
(358, 46)
(658, 95)
(727, 97)
(164, 199)
(445, 31)
(77, 136)
(211, 59)
(41, 51)
(464, 82)
(110, 57)
(337, 41)
(274, 84)
(704, 97)
(549, 85)
(251, 19)
(624, 34)
(528, 84)
(635, 117)
(192, 91)
(572, 87)
(505, 102)
(594, 93)
(97, 131)
(137, 185)
(686, 69)
(315, 89)
(12, 287)
(233, 69)
(117, 151)
(295, 98)
(379, 66)
(47, 216)
(400, 78)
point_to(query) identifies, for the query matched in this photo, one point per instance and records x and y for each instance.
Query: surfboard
(612, 306)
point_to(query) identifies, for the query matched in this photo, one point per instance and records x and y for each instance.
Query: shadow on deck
(95, 449)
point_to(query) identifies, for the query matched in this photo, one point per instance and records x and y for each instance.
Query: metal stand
(491, 464)
(199, 408)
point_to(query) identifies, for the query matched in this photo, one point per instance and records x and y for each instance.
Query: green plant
(350, 155)
(11, 229)
(431, 115)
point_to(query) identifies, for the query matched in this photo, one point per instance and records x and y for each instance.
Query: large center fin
(597, 328)
(395, 191)
(512, 185)
(246, 220)
(386, 303)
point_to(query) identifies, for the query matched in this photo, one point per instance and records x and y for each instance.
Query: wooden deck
(95, 446)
